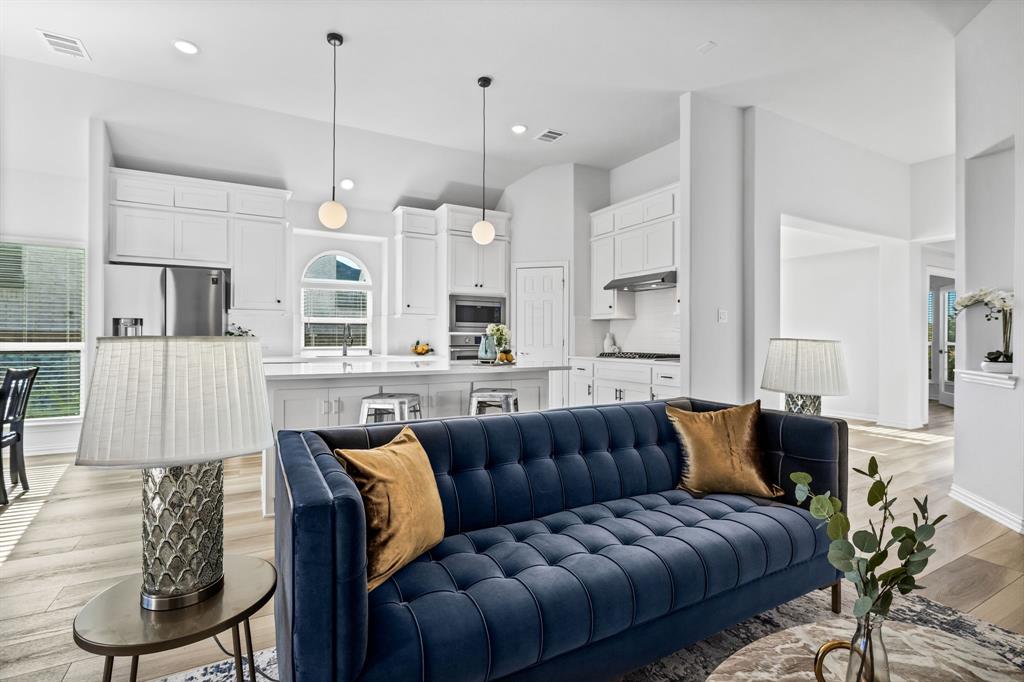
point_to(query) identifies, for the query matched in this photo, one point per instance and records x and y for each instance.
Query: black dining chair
(13, 400)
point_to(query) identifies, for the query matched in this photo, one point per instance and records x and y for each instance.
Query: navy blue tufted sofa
(569, 554)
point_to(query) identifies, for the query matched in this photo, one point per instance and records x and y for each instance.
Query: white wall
(933, 199)
(989, 421)
(711, 205)
(652, 170)
(656, 327)
(791, 169)
(542, 222)
(833, 296)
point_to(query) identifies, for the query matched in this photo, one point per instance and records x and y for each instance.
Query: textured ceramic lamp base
(182, 534)
(801, 403)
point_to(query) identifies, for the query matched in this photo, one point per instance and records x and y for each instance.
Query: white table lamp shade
(805, 366)
(157, 401)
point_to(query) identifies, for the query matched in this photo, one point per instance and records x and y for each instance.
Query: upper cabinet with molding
(163, 219)
(474, 268)
(638, 236)
(416, 262)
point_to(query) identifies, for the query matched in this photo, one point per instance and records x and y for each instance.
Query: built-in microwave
(472, 314)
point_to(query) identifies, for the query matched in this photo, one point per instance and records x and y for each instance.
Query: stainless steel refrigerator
(164, 301)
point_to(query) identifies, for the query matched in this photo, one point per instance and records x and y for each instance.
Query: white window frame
(335, 285)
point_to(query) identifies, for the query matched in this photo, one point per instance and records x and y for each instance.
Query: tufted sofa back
(506, 468)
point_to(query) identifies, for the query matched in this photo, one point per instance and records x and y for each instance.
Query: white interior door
(947, 350)
(538, 325)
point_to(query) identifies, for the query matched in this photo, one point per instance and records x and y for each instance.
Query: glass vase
(487, 352)
(869, 661)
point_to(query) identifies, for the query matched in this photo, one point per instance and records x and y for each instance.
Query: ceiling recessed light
(519, 129)
(347, 183)
(186, 47)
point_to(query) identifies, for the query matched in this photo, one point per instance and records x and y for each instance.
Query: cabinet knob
(278, 300)
(408, 305)
(609, 307)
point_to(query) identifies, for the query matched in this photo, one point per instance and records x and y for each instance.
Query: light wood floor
(77, 531)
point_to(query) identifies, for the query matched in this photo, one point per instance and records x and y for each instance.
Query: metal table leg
(135, 669)
(248, 647)
(108, 668)
(238, 652)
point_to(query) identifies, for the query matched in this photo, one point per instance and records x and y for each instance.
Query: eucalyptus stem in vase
(862, 556)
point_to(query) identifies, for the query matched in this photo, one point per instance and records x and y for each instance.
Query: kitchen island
(307, 393)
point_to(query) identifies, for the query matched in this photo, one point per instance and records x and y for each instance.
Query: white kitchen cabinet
(249, 202)
(665, 392)
(201, 238)
(533, 393)
(259, 256)
(143, 190)
(302, 408)
(460, 219)
(606, 304)
(581, 390)
(646, 249)
(448, 400)
(602, 223)
(476, 269)
(142, 233)
(204, 198)
(611, 391)
(628, 215)
(416, 288)
(346, 401)
(493, 268)
(414, 221)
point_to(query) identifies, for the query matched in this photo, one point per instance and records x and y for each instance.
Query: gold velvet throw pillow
(403, 508)
(722, 455)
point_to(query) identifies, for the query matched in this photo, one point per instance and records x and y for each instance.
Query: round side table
(114, 623)
(916, 654)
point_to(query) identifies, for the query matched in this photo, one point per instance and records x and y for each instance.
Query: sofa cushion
(507, 597)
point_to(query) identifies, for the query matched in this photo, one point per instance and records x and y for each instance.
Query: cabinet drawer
(665, 392)
(255, 203)
(143, 191)
(666, 376)
(201, 197)
(659, 206)
(582, 369)
(628, 216)
(620, 371)
(602, 224)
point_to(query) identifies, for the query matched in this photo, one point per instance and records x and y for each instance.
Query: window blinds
(41, 313)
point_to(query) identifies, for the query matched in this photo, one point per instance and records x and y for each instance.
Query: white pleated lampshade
(160, 401)
(805, 366)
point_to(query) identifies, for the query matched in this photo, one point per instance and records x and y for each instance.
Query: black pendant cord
(483, 168)
(334, 124)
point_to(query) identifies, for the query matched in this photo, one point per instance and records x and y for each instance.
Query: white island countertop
(387, 366)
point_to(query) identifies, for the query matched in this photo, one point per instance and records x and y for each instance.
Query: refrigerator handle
(163, 294)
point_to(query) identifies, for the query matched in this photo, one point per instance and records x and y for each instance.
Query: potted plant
(863, 558)
(999, 306)
(497, 337)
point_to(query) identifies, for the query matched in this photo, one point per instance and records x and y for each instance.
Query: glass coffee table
(114, 624)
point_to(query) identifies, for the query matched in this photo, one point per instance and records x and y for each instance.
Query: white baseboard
(983, 506)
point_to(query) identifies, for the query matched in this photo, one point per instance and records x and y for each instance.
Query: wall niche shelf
(969, 376)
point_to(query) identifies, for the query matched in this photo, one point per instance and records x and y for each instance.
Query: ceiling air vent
(549, 135)
(65, 44)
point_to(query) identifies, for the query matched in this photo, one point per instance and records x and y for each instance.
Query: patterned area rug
(695, 663)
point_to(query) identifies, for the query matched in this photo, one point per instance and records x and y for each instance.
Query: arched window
(335, 303)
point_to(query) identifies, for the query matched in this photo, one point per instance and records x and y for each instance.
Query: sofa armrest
(797, 442)
(320, 544)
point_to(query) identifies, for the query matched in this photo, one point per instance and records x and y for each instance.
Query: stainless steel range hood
(657, 280)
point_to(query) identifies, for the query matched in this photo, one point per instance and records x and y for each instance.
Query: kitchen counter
(367, 367)
(327, 391)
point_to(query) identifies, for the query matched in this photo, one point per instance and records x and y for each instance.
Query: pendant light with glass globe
(483, 230)
(333, 215)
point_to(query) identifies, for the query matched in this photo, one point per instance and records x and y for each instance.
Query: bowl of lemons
(419, 348)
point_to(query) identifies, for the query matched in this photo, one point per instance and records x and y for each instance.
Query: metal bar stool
(505, 399)
(385, 407)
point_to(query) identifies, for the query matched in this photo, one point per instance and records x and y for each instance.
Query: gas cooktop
(627, 355)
